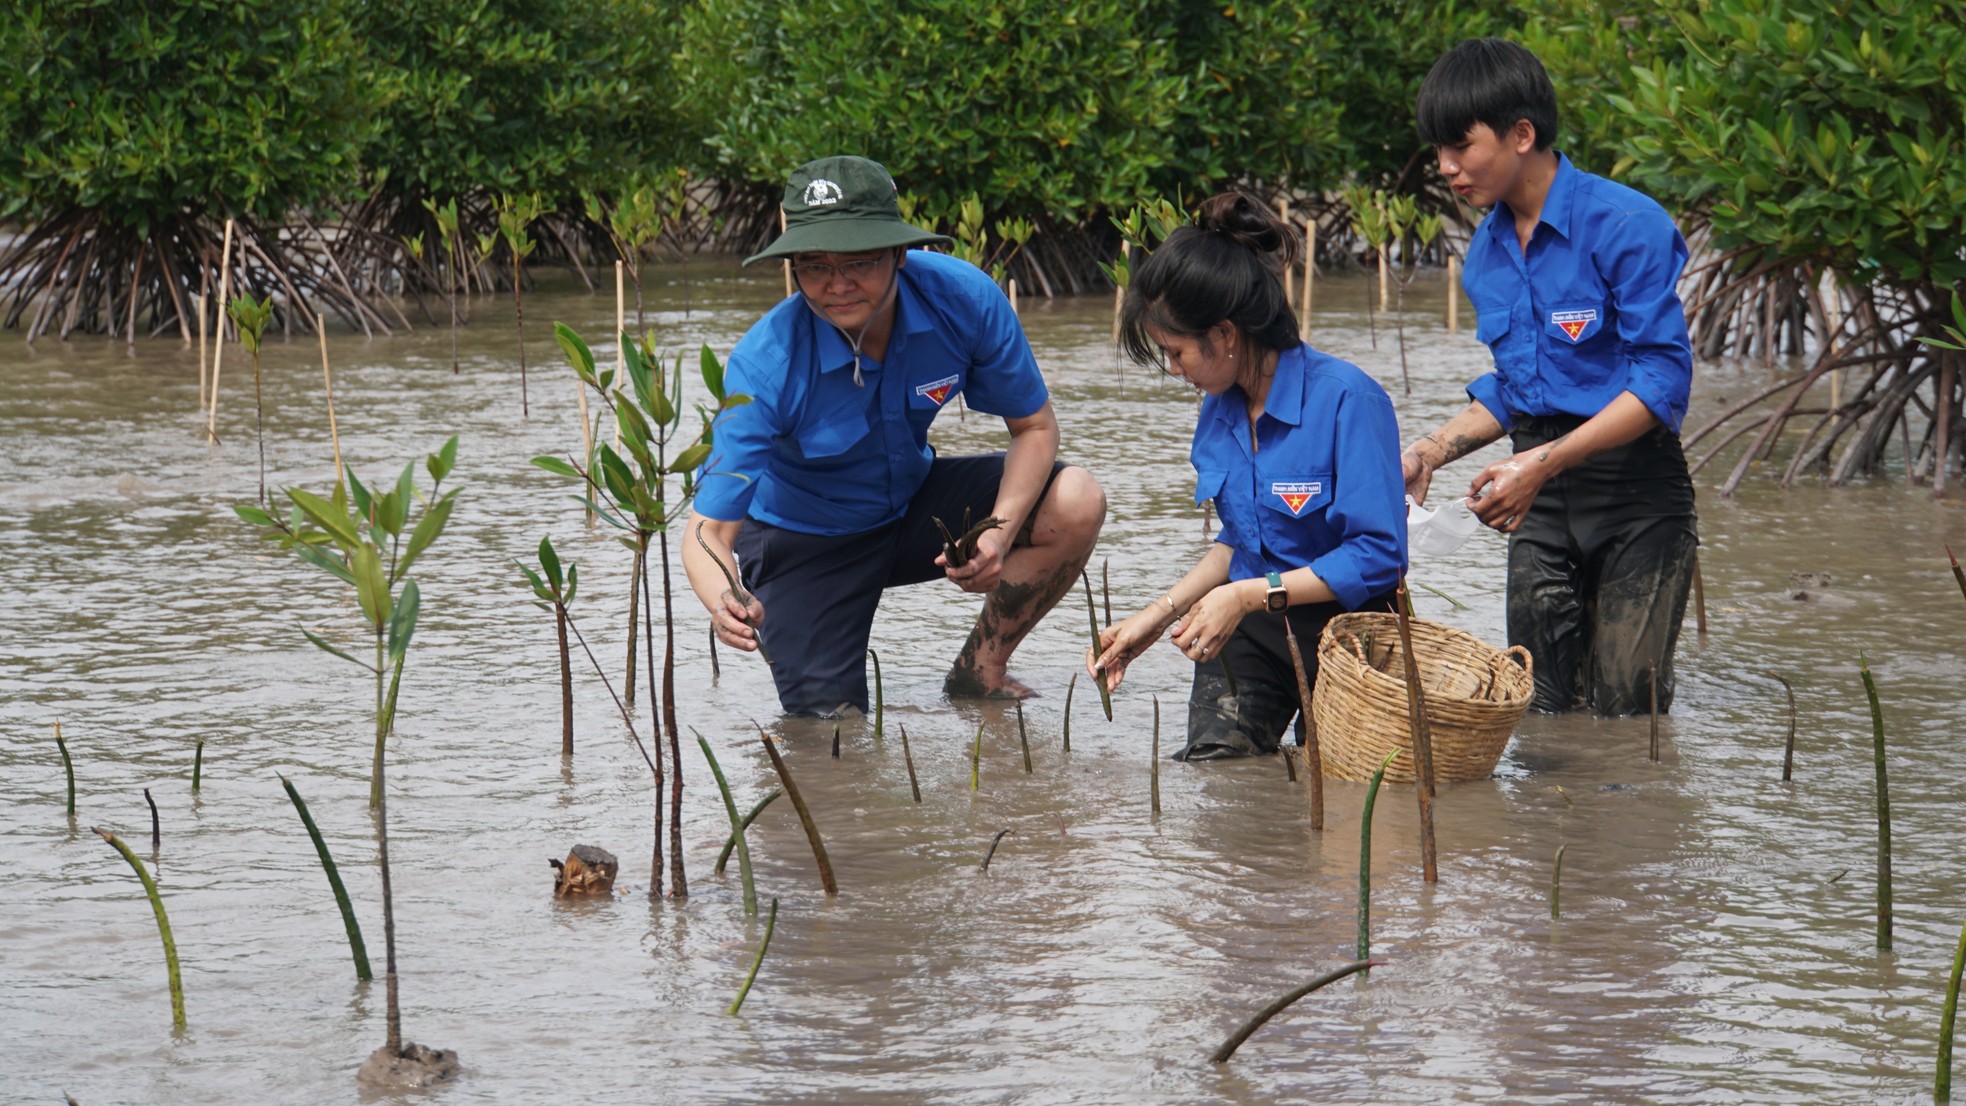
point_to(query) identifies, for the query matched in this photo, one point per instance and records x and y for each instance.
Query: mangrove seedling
(1069, 688)
(743, 597)
(771, 923)
(156, 833)
(1092, 616)
(1883, 809)
(880, 707)
(632, 494)
(1556, 883)
(515, 214)
(1313, 755)
(805, 815)
(1942, 1082)
(1958, 574)
(1365, 858)
(1788, 747)
(1369, 222)
(836, 741)
(251, 316)
(1236, 1039)
(163, 922)
(447, 233)
(976, 759)
(730, 843)
(1023, 739)
(554, 590)
(197, 764)
(736, 827)
(1106, 586)
(67, 767)
(994, 842)
(957, 551)
(1415, 233)
(359, 537)
(908, 758)
(348, 922)
(1652, 708)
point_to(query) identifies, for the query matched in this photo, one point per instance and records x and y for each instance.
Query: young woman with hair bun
(1300, 452)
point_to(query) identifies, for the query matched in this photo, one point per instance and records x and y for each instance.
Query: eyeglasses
(859, 270)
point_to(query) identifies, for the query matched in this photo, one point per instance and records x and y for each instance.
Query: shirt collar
(836, 353)
(1285, 402)
(1557, 204)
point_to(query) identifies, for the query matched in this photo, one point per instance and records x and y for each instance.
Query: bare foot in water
(968, 683)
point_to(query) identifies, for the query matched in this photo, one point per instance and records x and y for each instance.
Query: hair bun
(1248, 222)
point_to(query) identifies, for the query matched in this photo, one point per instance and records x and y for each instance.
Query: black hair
(1486, 80)
(1223, 266)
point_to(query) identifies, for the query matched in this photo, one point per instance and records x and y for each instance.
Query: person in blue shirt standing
(1300, 452)
(824, 484)
(1573, 278)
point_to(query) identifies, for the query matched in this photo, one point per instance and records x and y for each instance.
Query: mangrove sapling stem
(1313, 757)
(1069, 688)
(836, 741)
(163, 922)
(730, 843)
(1236, 1039)
(805, 816)
(1942, 1082)
(1958, 573)
(716, 669)
(1455, 603)
(156, 835)
(1092, 616)
(566, 682)
(348, 921)
(908, 759)
(737, 591)
(736, 829)
(1423, 746)
(67, 767)
(771, 923)
(1106, 587)
(1652, 709)
(994, 842)
(1788, 747)
(1289, 763)
(880, 707)
(197, 764)
(634, 620)
(1883, 810)
(1022, 739)
(1365, 858)
(976, 759)
(678, 881)
(1556, 883)
(1153, 765)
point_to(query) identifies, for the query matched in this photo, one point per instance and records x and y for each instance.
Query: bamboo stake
(1313, 755)
(163, 923)
(1883, 810)
(136, 280)
(1013, 295)
(1119, 298)
(355, 944)
(1833, 308)
(1236, 1039)
(218, 339)
(908, 758)
(67, 767)
(204, 356)
(1385, 279)
(620, 374)
(1310, 272)
(327, 382)
(730, 843)
(771, 923)
(805, 816)
(1423, 748)
(1453, 294)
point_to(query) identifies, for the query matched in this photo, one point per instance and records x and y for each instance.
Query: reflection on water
(1715, 943)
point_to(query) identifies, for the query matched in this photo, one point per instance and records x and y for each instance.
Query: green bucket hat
(843, 205)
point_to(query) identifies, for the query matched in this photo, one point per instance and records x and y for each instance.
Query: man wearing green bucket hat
(824, 485)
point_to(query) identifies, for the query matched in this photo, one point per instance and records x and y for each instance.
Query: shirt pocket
(1298, 496)
(1491, 323)
(1579, 324)
(1208, 485)
(834, 431)
(933, 395)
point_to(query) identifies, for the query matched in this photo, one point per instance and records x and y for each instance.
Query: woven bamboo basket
(1475, 695)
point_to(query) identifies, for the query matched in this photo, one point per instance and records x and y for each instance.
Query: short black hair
(1486, 80)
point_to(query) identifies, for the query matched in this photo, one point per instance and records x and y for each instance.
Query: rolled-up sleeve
(740, 445)
(1368, 505)
(1486, 390)
(1641, 264)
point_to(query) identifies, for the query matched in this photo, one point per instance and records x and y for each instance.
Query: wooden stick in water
(1423, 748)
(1310, 269)
(218, 340)
(327, 383)
(1313, 757)
(1453, 294)
(1236, 1039)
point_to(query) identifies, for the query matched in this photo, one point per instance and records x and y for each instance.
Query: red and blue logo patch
(1574, 322)
(938, 390)
(1296, 493)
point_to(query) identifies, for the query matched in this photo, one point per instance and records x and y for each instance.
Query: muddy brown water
(1716, 943)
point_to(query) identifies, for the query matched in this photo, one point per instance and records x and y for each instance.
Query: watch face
(1278, 599)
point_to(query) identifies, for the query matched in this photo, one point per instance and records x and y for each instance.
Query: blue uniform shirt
(1321, 489)
(824, 456)
(1591, 311)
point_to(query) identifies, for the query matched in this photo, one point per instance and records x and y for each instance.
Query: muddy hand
(737, 623)
(1502, 493)
(1206, 628)
(984, 568)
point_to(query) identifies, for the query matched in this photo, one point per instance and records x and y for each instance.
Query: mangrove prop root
(1023, 739)
(163, 922)
(1153, 765)
(1556, 883)
(771, 923)
(1069, 688)
(1365, 858)
(1092, 616)
(1313, 756)
(744, 823)
(1883, 810)
(736, 829)
(348, 922)
(880, 707)
(1236, 1039)
(805, 815)
(1942, 1080)
(994, 842)
(958, 551)
(908, 759)
(1788, 748)
(736, 590)
(197, 765)
(976, 759)
(1423, 746)
(156, 833)
(67, 767)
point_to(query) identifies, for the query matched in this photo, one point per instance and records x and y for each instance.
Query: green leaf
(402, 623)
(254, 515)
(363, 500)
(318, 559)
(538, 585)
(427, 529)
(690, 458)
(713, 372)
(550, 561)
(441, 462)
(370, 588)
(322, 644)
(573, 585)
(557, 467)
(325, 515)
(575, 350)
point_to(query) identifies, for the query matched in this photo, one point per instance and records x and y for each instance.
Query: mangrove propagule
(1092, 616)
(1069, 688)
(880, 707)
(1788, 747)
(1236, 1039)
(736, 830)
(737, 591)
(1883, 809)
(1556, 882)
(1365, 858)
(976, 759)
(348, 922)
(1942, 1080)
(771, 923)
(156, 834)
(730, 843)
(67, 767)
(985, 866)
(163, 923)
(1153, 765)
(805, 817)
(197, 764)
(1023, 739)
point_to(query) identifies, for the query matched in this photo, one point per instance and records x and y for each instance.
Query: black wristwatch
(1277, 598)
